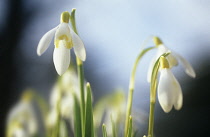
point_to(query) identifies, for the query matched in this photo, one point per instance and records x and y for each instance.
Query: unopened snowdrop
(173, 59)
(21, 121)
(169, 90)
(65, 39)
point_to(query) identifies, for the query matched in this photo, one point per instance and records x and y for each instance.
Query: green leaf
(63, 129)
(135, 133)
(89, 125)
(104, 130)
(130, 127)
(114, 133)
(77, 118)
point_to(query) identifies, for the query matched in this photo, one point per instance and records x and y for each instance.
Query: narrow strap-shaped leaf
(130, 127)
(104, 130)
(63, 129)
(114, 133)
(89, 125)
(80, 71)
(77, 118)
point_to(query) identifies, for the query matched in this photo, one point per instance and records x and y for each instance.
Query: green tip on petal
(27, 96)
(88, 84)
(164, 62)
(65, 17)
(157, 41)
(73, 10)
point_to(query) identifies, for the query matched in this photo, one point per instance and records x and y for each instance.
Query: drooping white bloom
(173, 59)
(63, 95)
(52, 118)
(65, 99)
(70, 82)
(21, 121)
(65, 39)
(19, 132)
(169, 90)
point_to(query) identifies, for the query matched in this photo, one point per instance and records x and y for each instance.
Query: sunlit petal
(55, 95)
(61, 58)
(178, 97)
(63, 30)
(52, 117)
(67, 104)
(187, 66)
(45, 41)
(79, 47)
(165, 92)
(19, 132)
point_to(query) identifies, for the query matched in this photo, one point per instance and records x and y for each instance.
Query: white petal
(178, 99)
(67, 104)
(55, 95)
(172, 60)
(165, 92)
(161, 49)
(52, 117)
(188, 68)
(19, 132)
(177, 92)
(45, 41)
(79, 47)
(19, 109)
(63, 29)
(61, 58)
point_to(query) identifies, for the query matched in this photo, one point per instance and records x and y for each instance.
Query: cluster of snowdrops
(70, 111)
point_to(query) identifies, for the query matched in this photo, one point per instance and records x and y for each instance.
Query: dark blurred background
(112, 31)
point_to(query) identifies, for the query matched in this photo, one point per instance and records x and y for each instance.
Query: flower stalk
(80, 71)
(153, 89)
(131, 88)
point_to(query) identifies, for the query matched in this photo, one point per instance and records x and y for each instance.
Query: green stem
(151, 119)
(131, 87)
(153, 89)
(80, 71)
(104, 130)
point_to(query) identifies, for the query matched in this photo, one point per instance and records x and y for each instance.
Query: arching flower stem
(153, 89)
(131, 87)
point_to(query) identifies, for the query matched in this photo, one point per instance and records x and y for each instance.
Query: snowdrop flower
(169, 90)
(66, 101)
(65, 39)
(17, 131)
(52, 118)
(173, 59)
(70, 82)
(21, 121)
